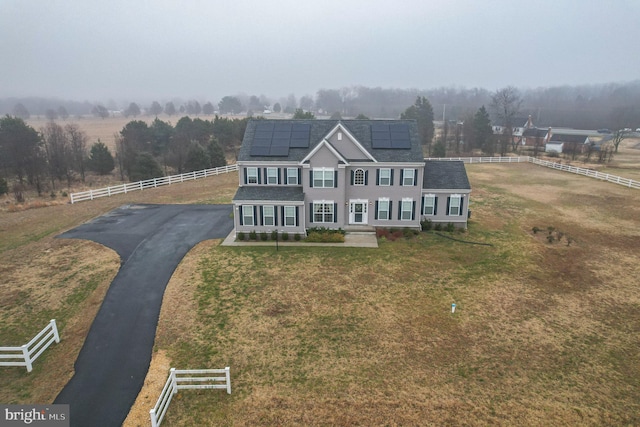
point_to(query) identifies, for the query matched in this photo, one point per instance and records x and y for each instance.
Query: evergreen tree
(422, 112)
(197, 158)
(301, 114)
(145, 167)
(483, 132)
(216, 154)
(439, 150)
(4, 187)
(100, 159)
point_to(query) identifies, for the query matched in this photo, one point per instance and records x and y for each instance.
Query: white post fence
(149, 183)
(558, 166)
(26, 354)
(182, 379)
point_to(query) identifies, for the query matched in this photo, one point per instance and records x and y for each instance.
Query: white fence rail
(149, 183)
(558, 166)
(188, 379)
(25, 355)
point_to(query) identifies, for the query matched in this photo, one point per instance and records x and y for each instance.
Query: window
(408, 177)
(289, 216)
(406, 213)
(358, 177)
(323, 178)
(455, 202)
(384, 177)
(383, 209)
(323, 212)
(247, 215)
(292, 176)
(268, 215)
(272, 175)
(252, 175)
(429, 207)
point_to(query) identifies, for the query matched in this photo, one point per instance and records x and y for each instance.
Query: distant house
(516, 130)
(350, 174)
(571, 142)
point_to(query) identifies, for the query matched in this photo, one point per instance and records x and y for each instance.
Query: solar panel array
(390, 136)
(274, 139)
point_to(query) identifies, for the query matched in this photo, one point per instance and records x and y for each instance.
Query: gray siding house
(349, 174)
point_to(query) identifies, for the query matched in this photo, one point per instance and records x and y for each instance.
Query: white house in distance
(349, 174)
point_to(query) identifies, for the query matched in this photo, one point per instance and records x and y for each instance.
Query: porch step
(360, 229)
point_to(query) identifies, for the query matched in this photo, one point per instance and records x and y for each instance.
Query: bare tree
(78, 147)
(506, 104)
(618, 137)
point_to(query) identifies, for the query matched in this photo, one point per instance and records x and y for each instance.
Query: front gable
(324, 155)
(347, 144)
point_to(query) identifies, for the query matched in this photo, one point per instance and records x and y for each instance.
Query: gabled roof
(444, 175)
(319, 129)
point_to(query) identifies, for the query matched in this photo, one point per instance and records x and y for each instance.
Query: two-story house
(299, 174)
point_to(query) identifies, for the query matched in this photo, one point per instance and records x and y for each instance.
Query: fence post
(27, 359)
(152, 415)
(155, 184)
(71, 197)
(174, 381)
(228, 374)
(54, 327)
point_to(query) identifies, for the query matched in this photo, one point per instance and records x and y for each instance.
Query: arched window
(358, 177)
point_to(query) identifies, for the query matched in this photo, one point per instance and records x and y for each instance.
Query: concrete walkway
(351, 240)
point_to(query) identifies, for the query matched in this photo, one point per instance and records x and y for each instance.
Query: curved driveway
(114, 360)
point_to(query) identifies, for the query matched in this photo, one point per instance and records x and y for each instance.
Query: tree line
(56, 156)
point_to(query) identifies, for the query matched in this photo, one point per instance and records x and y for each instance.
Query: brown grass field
(545, 334)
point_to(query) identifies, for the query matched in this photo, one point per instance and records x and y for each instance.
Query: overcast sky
(145, 50)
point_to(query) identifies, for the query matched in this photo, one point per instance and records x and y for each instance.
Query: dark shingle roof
(559, 137)
(443, 175)
(535, 132)
(360, 129)
(275, 194)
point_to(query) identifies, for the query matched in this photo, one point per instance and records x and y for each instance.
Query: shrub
(52, 195)
(407, 233)
(550, 238)
(559, 235)
(550, 229)
(324, 230)
(297, 237)
(240, 235)
(535, 230)
(426, 224)
(64, 194)
(264, 236)
(437, 227)
(253, 235)
(315, 237)
(274, 235)
(285, 236)
(450, 227)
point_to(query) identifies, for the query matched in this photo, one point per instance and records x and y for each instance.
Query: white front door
(358, 211)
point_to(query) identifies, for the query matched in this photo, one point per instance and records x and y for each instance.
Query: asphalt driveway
(151, 241)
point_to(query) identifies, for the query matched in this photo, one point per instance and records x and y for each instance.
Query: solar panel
(279, 127)
(402, 143)
(379, 127)
(263, 142)
(274, 139)
(299, 143)
(279, 151)
(264, 126)
(259, 151)
(301, 127)
(280, 142)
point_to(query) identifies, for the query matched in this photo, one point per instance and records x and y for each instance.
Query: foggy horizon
(162, 50)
